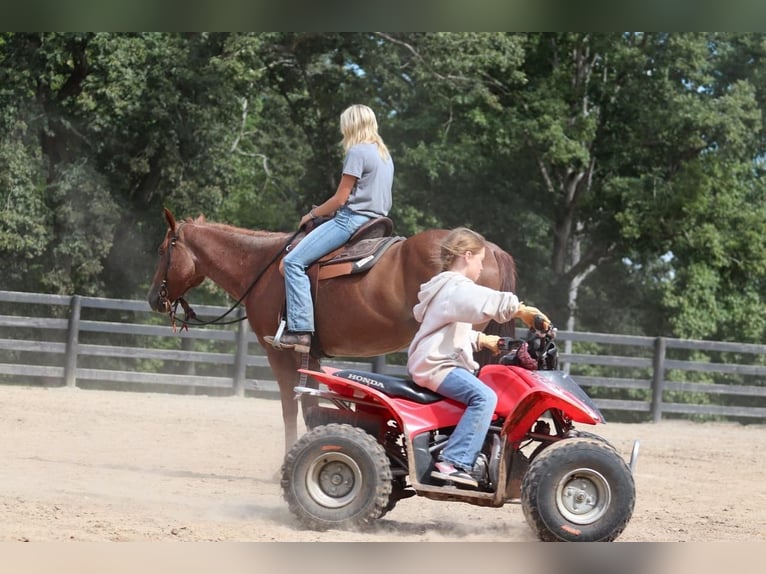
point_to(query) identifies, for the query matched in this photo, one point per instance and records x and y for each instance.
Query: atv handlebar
(543, 324)
(535, 351)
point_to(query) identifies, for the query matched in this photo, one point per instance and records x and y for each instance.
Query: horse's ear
(201, 218)
(171, 220)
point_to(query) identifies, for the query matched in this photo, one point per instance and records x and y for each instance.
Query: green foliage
(24, 217)
(624, 167)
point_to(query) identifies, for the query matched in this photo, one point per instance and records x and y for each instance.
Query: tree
(118, 125)
(622, 170)
(54, 200)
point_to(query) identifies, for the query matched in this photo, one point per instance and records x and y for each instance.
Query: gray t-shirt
(375, 177)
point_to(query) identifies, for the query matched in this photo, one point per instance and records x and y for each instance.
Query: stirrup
(275, 341)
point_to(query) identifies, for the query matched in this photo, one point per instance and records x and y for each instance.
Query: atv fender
(360, 393)
(534, 403)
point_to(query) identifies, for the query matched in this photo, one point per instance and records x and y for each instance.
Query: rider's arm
(338, 200)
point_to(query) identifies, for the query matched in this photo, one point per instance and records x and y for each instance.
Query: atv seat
(391, 386)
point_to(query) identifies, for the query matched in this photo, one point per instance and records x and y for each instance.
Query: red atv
(373, 440)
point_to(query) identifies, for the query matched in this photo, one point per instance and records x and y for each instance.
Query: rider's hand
(488, 342)
(305, 219)
(532, 317)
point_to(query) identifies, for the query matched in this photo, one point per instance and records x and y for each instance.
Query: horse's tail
(506, 267)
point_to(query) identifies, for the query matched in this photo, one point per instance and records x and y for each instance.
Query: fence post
(378, 363)
(72, 342)
(187, 344)
(240, 358)
(658, 378)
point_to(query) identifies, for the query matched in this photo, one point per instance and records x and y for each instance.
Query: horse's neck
(232, 257)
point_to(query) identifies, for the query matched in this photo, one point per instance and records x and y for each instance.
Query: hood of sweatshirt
(431, 289)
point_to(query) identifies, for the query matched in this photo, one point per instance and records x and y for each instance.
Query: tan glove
(488, 342)
(527, 315)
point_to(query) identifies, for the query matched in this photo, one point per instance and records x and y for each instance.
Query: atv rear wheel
(578, 489)
(336, 476)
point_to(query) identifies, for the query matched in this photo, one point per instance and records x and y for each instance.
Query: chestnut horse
(361, 315)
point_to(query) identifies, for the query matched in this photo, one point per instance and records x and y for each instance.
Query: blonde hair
(457, 242)
(359, 125)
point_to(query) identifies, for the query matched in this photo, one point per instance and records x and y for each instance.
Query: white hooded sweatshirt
(449, 305)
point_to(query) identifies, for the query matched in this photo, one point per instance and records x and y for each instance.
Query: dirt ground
(86, 465)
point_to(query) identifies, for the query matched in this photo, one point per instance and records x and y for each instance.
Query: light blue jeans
(318, 243)
(464, 445)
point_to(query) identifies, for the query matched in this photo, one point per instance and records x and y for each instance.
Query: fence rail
(121, 344)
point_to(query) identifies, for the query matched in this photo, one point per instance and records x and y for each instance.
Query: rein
(189, 314)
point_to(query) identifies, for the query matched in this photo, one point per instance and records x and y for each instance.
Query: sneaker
(447, 471)
(300, 342)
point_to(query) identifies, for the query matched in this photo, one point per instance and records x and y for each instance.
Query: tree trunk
(574, 287)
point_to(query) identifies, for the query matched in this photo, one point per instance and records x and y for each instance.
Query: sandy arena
(85, 465)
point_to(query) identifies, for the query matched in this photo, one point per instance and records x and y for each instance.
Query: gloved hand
(528, 314)
(488, 342)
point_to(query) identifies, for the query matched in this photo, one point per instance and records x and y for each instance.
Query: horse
(361, 315)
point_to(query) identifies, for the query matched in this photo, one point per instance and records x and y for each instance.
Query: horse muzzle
(158, 299)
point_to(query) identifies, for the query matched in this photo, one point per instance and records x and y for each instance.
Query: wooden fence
(92, 342)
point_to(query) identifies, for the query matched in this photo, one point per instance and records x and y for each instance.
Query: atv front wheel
(336, 476)
(580, 434)
(578, 489)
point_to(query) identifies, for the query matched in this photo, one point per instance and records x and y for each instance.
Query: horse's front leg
(285, 368)
(290, 420)
(306, 401)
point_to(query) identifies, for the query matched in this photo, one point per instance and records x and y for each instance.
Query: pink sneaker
(447, 471)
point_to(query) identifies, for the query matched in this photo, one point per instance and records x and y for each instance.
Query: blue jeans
(318, 243)
(464, 445)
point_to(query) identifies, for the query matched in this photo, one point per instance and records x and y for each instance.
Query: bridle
(164, 299)
(189, 314)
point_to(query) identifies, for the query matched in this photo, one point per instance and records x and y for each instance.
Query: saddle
(361, 251)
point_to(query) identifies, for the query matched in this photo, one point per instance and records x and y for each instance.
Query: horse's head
(176, 271)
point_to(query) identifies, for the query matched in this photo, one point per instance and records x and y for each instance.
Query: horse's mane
(200, 220)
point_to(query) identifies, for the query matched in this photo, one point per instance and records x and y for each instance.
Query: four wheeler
(373, 440)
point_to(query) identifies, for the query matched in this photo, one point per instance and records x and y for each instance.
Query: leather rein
(189, 314)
